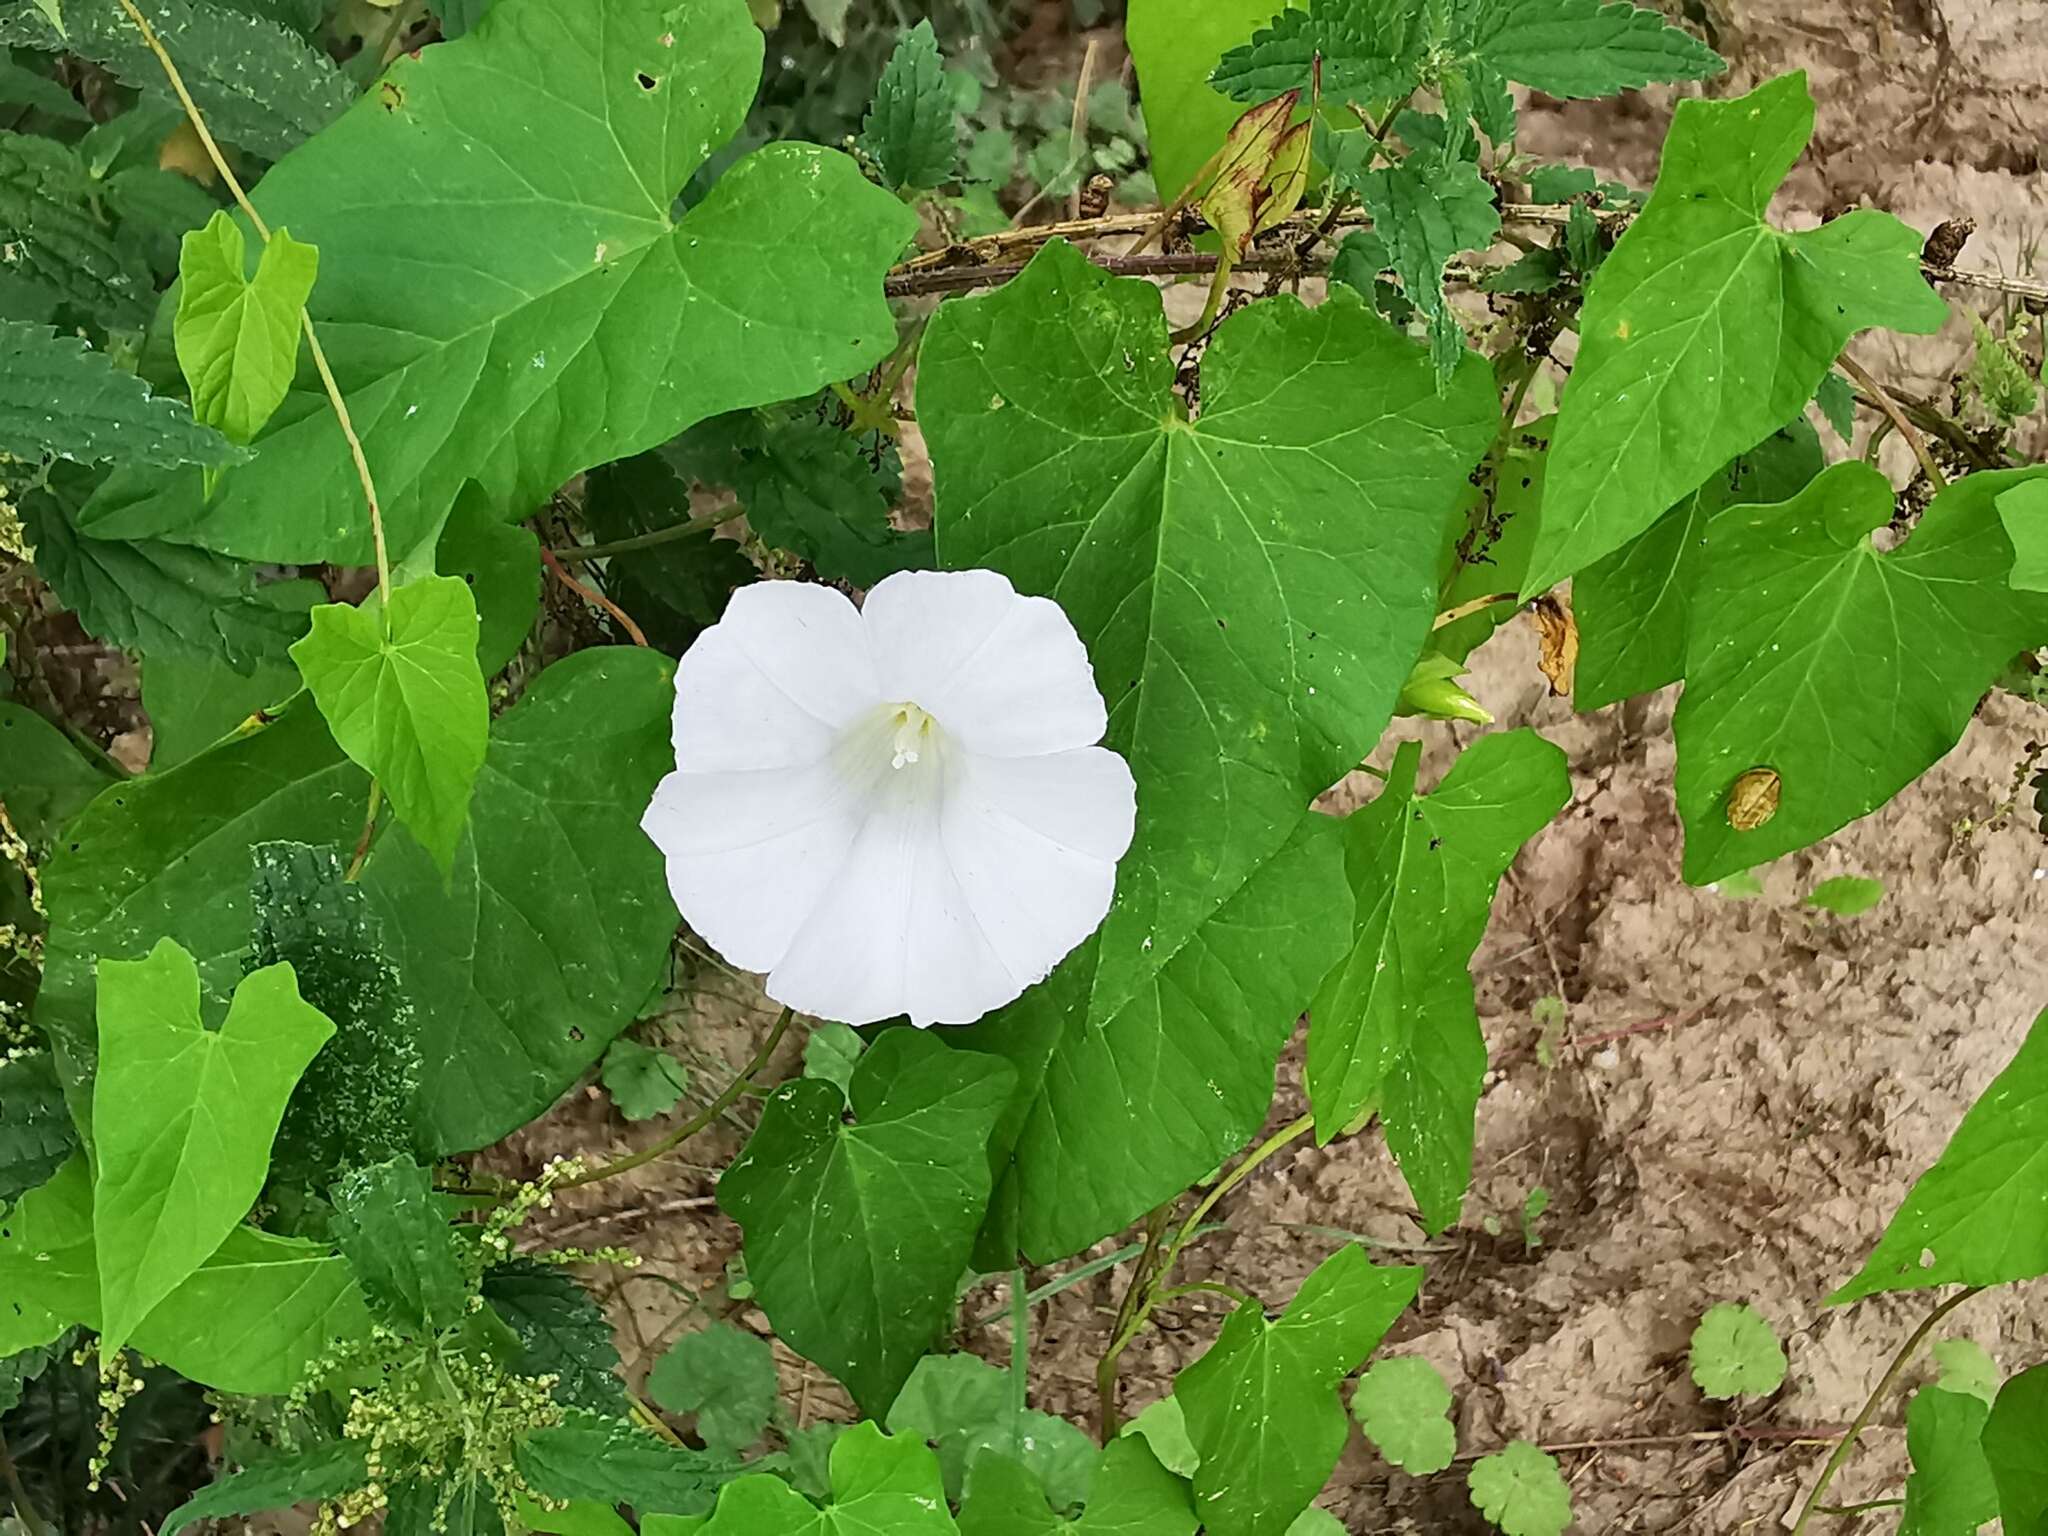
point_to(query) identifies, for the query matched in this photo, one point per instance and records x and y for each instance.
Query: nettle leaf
(563, 1331)
(1846, 672)
(501, 563)
(1950, 1491)
(237, 336)
(880, 1487)
(614, 1461)
(1634, 606)
(159, 598)
(570, 321)
(1707, 328)
(60, 397)
(257, 84)
(809, 487)
(1428, 208)
(356, 1103)
(1403, 1406)
(1253, 587)
(642, 1081)
(1395, 1024)
(1735, 1353)
(857, 1232)
(1262, 1405)
(184, 1117)
(394, 1230)
(677, 589)
(405, 698)
(249, 1320)
(323, 1472)
(1368, 53)
(519, 969)
(908, 130)
(36, 1134)
(971, 1414)
(61, 254)
(1979, 1216)
(464, 1504)
(1520, 1491)
(1578, 49)
(1175, 47)
(2016, 1444)
(726, 1378)
(1129, 1494)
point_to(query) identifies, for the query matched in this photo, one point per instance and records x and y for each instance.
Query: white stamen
(913, 729)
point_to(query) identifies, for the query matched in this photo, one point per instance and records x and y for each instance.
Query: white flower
(899, 808)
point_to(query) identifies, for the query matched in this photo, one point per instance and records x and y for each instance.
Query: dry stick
(1077, 137)
(690, 1127)
(220, 164)
(592, 595)
(1877, 1396)
(1876, 391)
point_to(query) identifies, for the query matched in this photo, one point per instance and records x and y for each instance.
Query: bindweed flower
(898, 808)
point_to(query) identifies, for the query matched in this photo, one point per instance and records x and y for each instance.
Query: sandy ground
(1754, 1085)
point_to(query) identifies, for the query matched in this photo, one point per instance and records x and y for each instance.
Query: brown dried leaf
(1557, 632)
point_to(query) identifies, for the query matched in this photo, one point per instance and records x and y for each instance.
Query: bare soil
(1747, 1088)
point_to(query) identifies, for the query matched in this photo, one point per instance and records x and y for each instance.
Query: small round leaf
(1735, 1353)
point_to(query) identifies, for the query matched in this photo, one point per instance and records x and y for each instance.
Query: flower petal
(774, 681)
(1004, 675)
(750, 854)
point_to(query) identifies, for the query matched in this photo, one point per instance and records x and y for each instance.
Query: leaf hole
(646, 81)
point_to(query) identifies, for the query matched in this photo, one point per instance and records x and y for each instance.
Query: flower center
(910, 734)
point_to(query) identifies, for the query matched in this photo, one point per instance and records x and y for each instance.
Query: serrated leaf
(1846, 895)
(324, 1472)
(1176, 47)
(1979, 1216)
(563, 263)
(2016, 1445)
(675, 589)
(642, 1081)
(357, 1102)
(1578, 49)
(405, 699)
(1966, 1367)
(1253, 588)
(808, 487)
(1395, 1024)
(726, 1378)
(857, 1232)
(24, 1366)
(36, 1134)
(968, 1411)
(464, 1504)
(154, 210)
(880, 1487)
(237, 336)
(154, 597)
(1635, 605)
(1262, 1405)
(1367, 53)
(1428, 209)
(394, 1231)
(501, 563)
(592, 1456)
(257, 84)
(60, 249)
(1846, 672)
(1708, 328)
(1735, 1353)
(1520, 1491)
(59, 397)
(518, 971)
(563, 1331)
(908, 130)
(184, 1118)
(1949, 1491)
(192, 704)
(1403, 1405)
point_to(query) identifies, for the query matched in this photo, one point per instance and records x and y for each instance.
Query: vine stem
(1847, 1444)
(30, 1519)
(1878, 394)
(319, 355)
(697, 1122)
(592, 595)
(670, 535)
